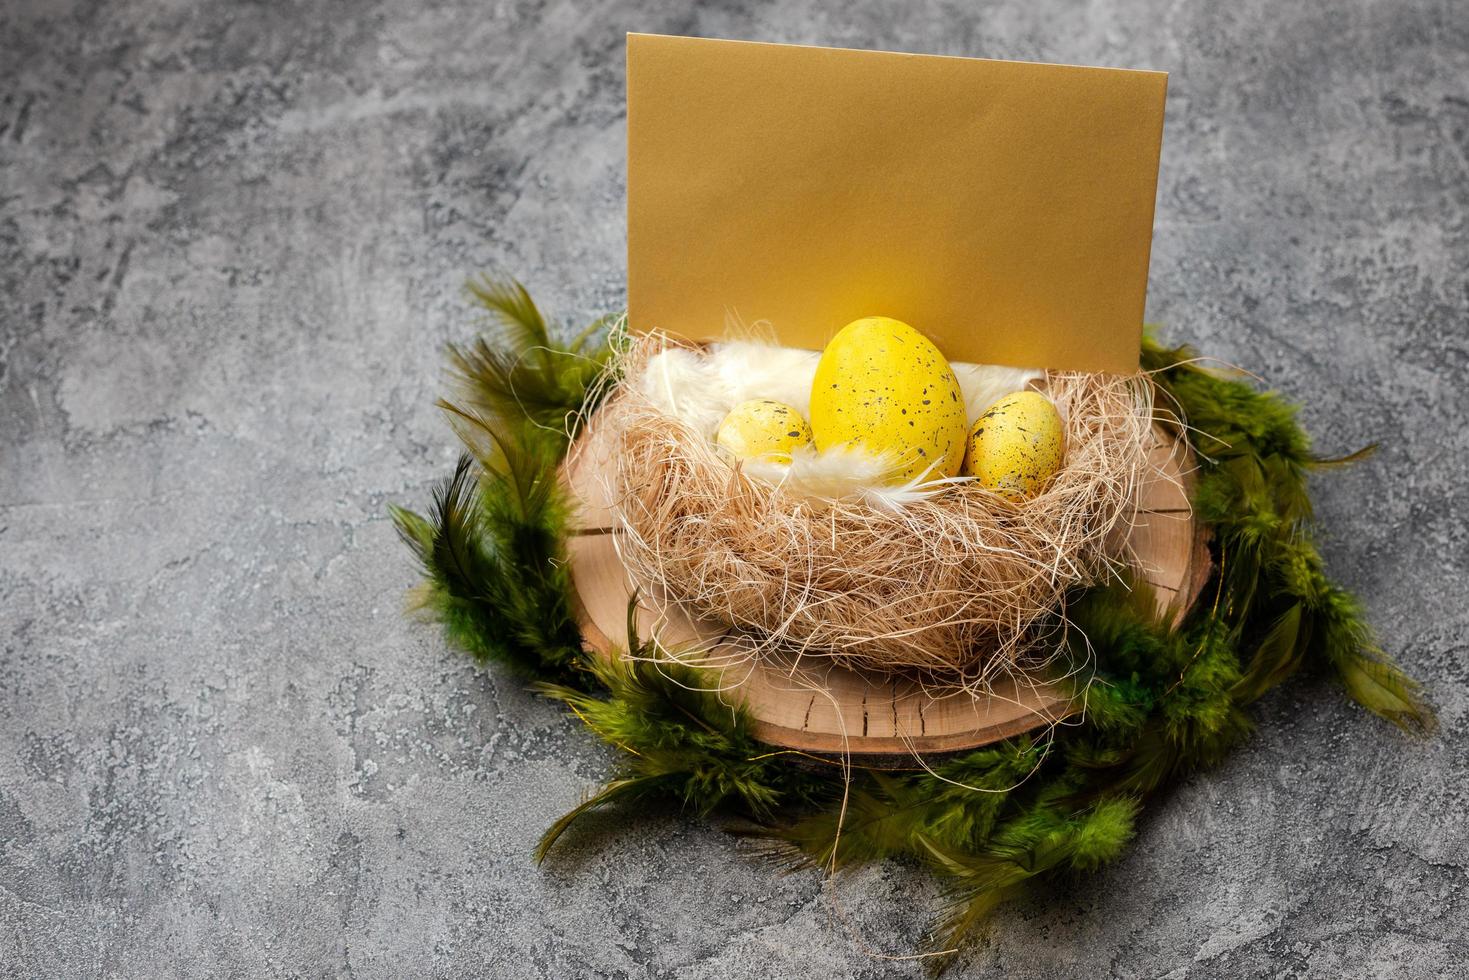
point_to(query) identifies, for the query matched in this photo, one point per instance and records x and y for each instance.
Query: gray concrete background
(231, 238)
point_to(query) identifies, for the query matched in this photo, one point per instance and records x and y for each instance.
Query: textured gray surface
(230, 244)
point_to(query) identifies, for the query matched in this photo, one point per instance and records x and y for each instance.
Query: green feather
(526, 376)
(1160, 702)
(618, 790)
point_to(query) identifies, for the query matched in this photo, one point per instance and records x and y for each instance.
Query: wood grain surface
(816, 706)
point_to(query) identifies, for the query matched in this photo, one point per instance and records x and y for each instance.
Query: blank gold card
(1004, 209)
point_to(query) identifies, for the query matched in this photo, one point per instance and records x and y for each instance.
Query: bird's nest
(951, 580)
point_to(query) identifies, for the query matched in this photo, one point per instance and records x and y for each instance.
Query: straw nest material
(954, 582)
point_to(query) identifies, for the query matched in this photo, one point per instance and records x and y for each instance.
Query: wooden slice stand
(815, 706)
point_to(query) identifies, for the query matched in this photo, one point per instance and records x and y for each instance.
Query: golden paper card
(1004, 209)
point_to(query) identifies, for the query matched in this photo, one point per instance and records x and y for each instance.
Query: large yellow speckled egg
(884, 388)
(763, 429)
(1017, 445)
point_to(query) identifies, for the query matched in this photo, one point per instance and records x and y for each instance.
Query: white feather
(985, 384)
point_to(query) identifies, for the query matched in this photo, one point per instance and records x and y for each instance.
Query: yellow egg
(763, 429)
(1017, 445)
(884, 388)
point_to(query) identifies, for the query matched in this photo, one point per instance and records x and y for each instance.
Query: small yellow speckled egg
(1017, 445)
(884, 388)
(763, 429)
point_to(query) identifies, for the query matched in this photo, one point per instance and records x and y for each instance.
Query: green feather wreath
(1160, 703)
